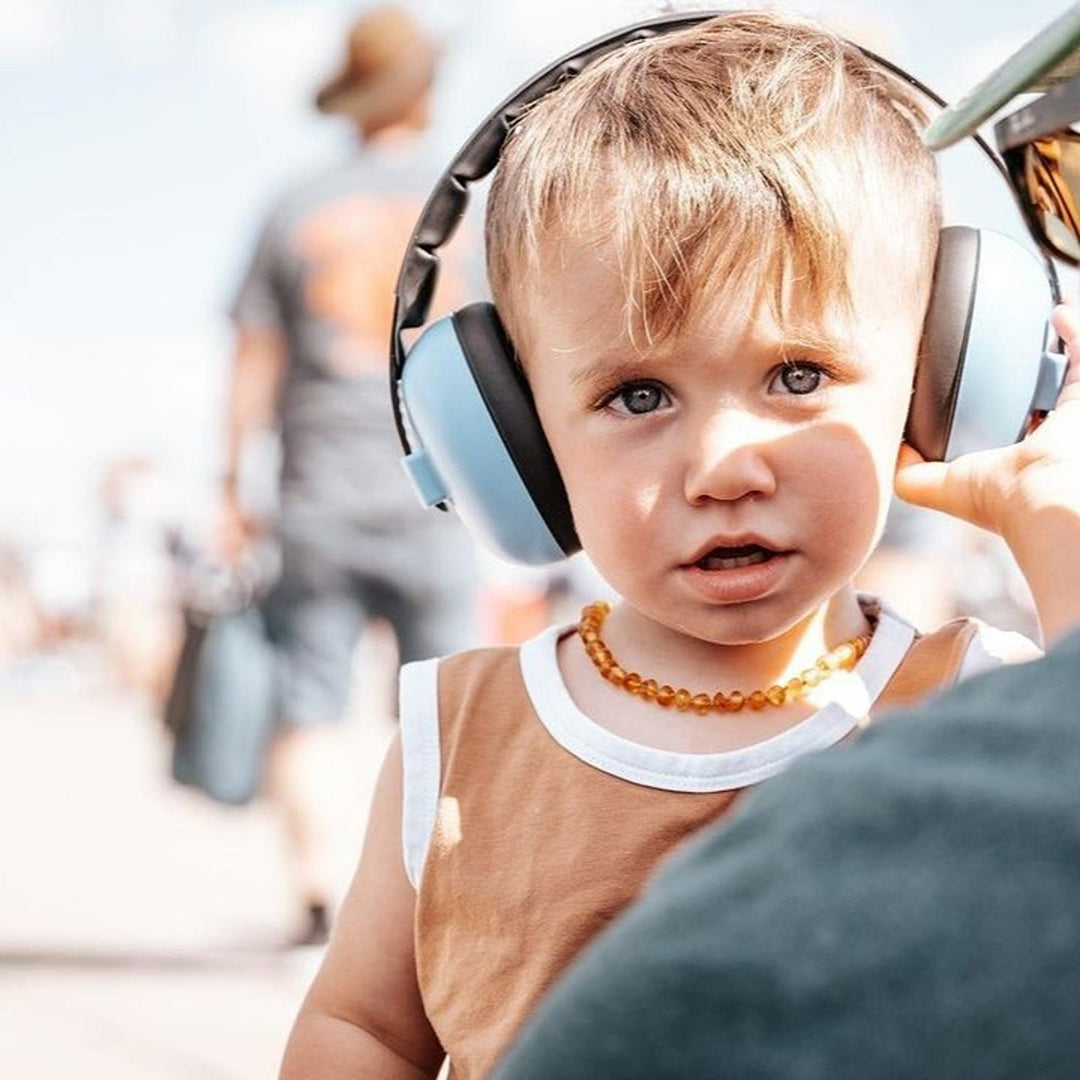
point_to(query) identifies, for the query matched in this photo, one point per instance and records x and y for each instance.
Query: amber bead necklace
(843, 658)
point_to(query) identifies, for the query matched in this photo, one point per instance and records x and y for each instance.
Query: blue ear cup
(983, 367)
(477, 442)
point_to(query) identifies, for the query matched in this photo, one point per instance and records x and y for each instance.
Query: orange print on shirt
(353, 249)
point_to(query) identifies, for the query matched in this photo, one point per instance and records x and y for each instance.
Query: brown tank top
(534, 851)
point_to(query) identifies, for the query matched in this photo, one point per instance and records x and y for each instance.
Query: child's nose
(729, 458)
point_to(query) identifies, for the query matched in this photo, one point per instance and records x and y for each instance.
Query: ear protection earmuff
(983, 371)
(466, 418)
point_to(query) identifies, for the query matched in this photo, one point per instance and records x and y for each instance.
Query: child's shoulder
(956, 650)
(478, 661)
(988, 646)
(478, 667)
(976, 645)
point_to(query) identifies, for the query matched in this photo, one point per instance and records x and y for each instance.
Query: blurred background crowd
(148, 143)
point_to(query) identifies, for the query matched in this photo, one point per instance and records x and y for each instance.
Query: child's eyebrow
(607, 365)
(818, 344)
(626, 363)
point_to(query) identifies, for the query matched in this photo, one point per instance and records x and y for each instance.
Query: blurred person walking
(313, 318)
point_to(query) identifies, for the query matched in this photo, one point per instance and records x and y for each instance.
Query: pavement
(142, 927)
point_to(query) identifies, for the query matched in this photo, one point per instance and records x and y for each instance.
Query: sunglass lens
(1051, 187)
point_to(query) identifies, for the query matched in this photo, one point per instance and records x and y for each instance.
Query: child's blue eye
(639, 398)
(799, 377)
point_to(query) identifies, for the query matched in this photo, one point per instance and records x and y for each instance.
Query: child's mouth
(723, 558)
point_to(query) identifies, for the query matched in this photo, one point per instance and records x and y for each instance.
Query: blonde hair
(739, 155)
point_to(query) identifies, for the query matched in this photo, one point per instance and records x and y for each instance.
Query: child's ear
(982, 369)
(478, 441)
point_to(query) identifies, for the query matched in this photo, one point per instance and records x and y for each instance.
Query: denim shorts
(321, 604)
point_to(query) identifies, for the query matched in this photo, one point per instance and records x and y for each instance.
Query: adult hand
(235, 529)
(996, 489)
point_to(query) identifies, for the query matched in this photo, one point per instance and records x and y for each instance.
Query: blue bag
(220, 708)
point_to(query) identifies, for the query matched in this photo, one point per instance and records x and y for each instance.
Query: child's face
(730, 481)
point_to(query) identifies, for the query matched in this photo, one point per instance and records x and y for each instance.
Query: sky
(143, 140)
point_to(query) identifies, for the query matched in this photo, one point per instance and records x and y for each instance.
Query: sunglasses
(1040, 145)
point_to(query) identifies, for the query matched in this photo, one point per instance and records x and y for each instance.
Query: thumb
(918, 481)
(951, 487)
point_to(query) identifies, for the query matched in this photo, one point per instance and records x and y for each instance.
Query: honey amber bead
(589, 635)
(605, 668)
(649, 689)
(736, 700)
(617, 675)
(758, 700)
(701, 703)
(844, 653)
(794, 688)
(776, 695)
(811, 676)
(665, 695)
(721, 702)
(632, 682)
(682, 699)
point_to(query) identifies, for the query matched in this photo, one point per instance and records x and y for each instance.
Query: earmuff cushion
(944, 342)
(459, 453)
(506, 393)
(982, 347)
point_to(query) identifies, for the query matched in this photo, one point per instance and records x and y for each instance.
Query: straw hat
(389, 64)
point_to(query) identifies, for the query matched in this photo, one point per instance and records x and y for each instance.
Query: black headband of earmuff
(449, 198)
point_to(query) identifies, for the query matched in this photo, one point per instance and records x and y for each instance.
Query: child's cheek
(846, 479)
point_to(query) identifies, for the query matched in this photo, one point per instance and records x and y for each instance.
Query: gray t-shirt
(323, 275)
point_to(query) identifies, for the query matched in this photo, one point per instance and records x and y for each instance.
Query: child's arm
(363, 1015)
(1029, 494)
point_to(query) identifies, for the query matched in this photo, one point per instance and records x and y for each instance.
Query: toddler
(712, 251)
